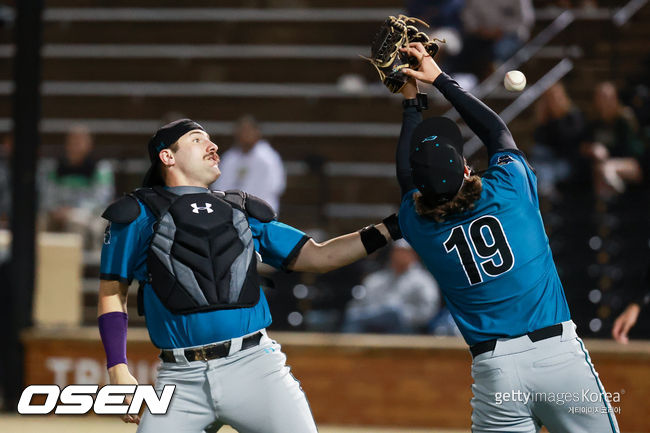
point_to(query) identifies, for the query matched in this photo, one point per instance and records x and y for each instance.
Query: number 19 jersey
(493, 263)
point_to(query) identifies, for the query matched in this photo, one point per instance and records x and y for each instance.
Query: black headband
(169, 134)
(162, 139)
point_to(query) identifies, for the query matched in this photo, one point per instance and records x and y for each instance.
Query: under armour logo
(196, 208)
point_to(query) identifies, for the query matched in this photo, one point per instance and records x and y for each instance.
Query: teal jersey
(124, 258)
(493, 263)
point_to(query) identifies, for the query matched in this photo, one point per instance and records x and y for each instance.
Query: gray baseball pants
(522, 385)
(251, 390)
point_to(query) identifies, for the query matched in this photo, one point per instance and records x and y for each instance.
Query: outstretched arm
(484, 122)
(411, 117)
(343, 250)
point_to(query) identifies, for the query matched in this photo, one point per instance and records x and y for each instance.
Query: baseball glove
(395, 33)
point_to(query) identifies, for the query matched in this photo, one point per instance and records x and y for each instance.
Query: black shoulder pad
(236, 198)
(157, 199)
(258, 208)
(123, 210)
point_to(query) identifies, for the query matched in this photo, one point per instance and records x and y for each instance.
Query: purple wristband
(112, 329)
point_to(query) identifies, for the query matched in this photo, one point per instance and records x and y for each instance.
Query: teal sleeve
(277, 243)
(125, 247)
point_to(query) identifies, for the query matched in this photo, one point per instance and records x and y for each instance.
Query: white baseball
(515, 81)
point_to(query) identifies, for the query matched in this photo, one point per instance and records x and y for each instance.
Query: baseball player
(195, 253)
(484, 241)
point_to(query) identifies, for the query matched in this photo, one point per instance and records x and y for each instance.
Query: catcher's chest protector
(202, 255)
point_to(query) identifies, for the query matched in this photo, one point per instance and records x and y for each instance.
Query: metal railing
(619, 17)
(524, 54)
(624, 14)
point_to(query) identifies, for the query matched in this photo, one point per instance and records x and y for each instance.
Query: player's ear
(167, 157)
(467, 172)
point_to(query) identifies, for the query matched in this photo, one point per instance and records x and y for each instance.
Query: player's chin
(215, 173)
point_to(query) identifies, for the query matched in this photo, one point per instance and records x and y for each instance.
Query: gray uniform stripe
(162, 247)
(163, 240)
(239, 268)
(186, 278)
(608, 408)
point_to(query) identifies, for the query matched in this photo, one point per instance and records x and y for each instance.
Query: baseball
(515, 81)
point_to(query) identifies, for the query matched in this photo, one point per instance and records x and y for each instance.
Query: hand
(428, 70)
(625, 322)
(119, 375)
(410, 89)
(595, 151)
(607, 181)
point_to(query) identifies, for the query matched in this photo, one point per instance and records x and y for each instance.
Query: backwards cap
(436, 157)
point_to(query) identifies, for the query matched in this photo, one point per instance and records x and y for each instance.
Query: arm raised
(484, 122)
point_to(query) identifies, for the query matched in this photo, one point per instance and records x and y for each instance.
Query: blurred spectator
(640, 103)
(400, 299)
(612, 143)
(252, 165)
(637, 97)
(5, 180)
(444, 19)
(78, 189)
(437, 13)
(494, 31)
(560, 127)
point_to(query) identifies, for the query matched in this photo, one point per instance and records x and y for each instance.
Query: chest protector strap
(202, 256)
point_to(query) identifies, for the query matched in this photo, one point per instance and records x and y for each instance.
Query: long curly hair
(465, 200)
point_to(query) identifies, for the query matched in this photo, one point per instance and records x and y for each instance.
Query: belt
(212, 351)
(540, 334)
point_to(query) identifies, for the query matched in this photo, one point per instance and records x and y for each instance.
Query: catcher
(195, 253)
